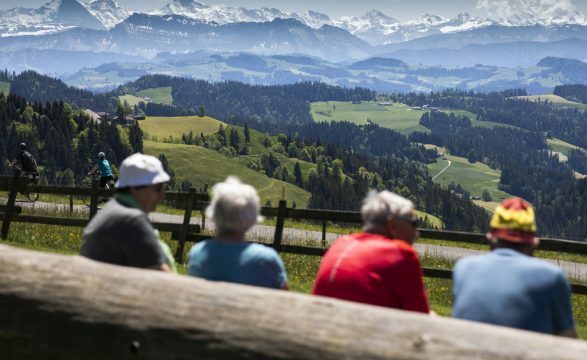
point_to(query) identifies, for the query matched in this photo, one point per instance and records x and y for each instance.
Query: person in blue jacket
(105, 171)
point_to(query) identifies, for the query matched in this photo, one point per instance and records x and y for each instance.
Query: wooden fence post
(323, 233)
(204, 209)
(94, 198)
(14, 186)
(281, 213)
(186, 224)
(71, 204)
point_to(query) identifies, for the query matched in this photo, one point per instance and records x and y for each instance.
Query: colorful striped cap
(514, 221)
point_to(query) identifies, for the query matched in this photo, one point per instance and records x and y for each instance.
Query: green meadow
(160, 95)
(562, 147)
(203, 166)
(398, 116)
(475, 178)
(164, 127)
(555, 100)
(4, 87)
(131, 99)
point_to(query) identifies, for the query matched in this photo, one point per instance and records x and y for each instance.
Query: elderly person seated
(509, 287)
(378, 266)
(121, 233)
(234, 209)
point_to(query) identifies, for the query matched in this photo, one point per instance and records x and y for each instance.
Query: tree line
(64, 141)
(528, 169)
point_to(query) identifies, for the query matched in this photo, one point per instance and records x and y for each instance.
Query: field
(161, 95)
(398, 117)
(562, 147)
(473, 177)
(475, 122)
(555, 100)
(4, 87)
(163, 127)
(203, 166)
(131, 99)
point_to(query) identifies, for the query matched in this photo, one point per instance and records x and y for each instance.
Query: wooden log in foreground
(62, 307)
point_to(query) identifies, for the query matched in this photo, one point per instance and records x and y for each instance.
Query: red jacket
(372, 269)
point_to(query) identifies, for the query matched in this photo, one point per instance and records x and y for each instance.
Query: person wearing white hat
(121, 232)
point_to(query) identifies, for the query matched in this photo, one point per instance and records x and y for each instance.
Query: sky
(399, 9)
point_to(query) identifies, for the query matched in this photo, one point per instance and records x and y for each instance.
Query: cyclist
(105, 171)
(27, 162)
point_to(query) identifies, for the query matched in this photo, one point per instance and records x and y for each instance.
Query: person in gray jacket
(121, 232)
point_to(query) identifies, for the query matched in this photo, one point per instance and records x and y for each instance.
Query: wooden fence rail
(68, 307)
(190, 201)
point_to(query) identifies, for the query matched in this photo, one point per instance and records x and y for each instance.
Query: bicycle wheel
(86, 200)
(32, 191)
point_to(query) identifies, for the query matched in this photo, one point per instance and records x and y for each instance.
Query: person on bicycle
(27, 162)
(105, 171)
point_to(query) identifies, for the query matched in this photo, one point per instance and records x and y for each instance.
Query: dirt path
(442, 171)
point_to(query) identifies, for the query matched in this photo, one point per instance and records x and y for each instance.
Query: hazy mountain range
(380, 74)
(65, 36)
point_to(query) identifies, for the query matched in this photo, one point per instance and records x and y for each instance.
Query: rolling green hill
(161, 95)
(4, 87)
(398, 116)
(472, 177)
(203, 166)
(555, 100)
(131, 99)
(562, 147)
(163, 127)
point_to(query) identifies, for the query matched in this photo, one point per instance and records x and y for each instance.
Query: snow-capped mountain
(60, 15)
(223, 14)
(373, 27)
(54, 16)
(109, 12)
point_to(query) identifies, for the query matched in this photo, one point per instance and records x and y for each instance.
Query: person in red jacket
(378, 266)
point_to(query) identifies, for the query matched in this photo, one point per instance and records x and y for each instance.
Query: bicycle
(30, 185)
(86, 199)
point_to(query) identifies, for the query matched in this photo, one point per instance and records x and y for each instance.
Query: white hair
(379, 208)
(235, 206)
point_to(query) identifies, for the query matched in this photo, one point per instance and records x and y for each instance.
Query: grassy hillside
(472, 177)
(4, 87)
(131, 99)
(398, 116)
(201, 165)
(161, 95)
(475, 122)
(555, 100)
(562, 147)
(163, 127)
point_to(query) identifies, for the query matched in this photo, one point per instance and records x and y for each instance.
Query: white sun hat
(141, 170)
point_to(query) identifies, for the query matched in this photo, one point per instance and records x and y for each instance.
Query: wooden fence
(69, 307)
(193, 201)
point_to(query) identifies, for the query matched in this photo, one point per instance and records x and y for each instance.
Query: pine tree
(298, 174)
(169, 170)
(135, 137)
(247, 134)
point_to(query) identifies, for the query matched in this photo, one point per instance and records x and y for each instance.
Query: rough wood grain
(63, 307)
